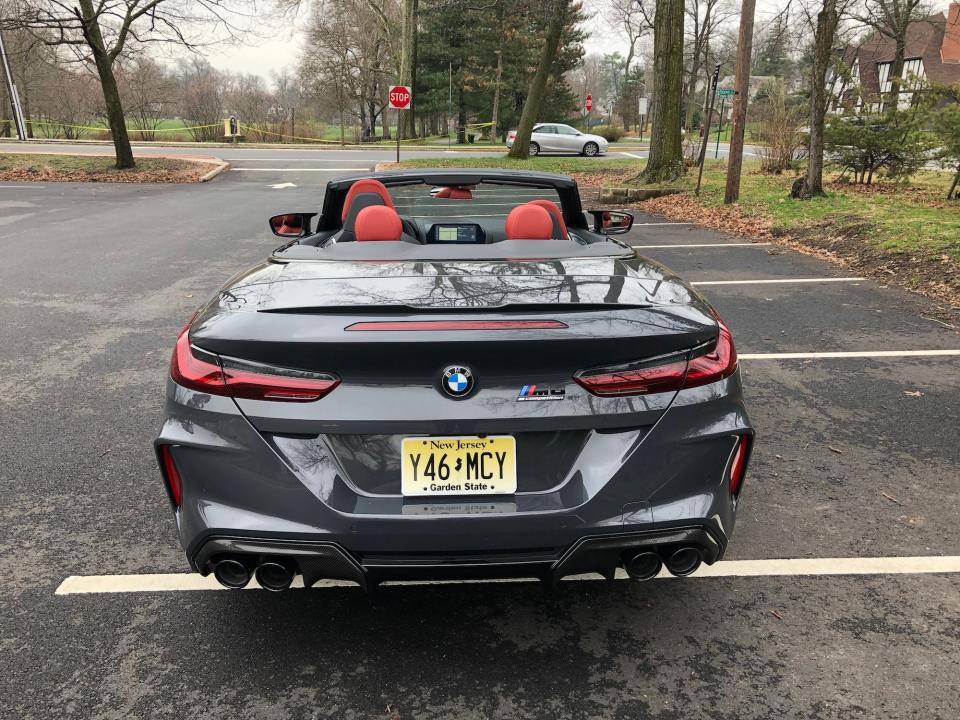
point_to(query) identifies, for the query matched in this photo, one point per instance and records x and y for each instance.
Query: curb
(220, 169)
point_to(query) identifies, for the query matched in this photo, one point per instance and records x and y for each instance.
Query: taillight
(739, 464)
(208, 373)
(634, 379)
(171, 475)
(512, 135)
(715, 365)
(669, 373)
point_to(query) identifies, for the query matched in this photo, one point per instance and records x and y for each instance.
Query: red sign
(589, 103)
(399, 97)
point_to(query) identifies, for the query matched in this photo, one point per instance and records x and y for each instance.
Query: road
(857, 457)
(291, 158)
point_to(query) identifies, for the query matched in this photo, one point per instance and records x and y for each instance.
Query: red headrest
(555, 211)
(366, 185)
(454, 193)
(377, 223)
(529, 222)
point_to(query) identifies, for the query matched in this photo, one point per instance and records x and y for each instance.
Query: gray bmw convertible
(453, 374)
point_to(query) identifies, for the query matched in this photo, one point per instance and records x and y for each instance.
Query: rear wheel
(534, 149)
(591, 149)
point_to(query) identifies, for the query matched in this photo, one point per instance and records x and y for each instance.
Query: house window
(914, 78)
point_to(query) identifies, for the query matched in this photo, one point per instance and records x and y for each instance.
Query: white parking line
(638, 157)
(853, 354)
(178, 582)
(781, 281)
(701, 245)
(340, 169)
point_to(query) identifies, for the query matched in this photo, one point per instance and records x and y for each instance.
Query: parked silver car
(559, 138)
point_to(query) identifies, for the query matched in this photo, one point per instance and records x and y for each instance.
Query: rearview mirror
(611, 222)
(291, 225)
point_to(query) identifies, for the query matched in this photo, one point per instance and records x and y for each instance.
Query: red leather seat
(559, 226)
(365, 185)
(529, 222)
(377, 223)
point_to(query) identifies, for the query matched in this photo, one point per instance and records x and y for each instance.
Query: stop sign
(589, 105)
(399, 97)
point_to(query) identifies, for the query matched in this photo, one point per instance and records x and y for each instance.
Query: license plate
(458, 465)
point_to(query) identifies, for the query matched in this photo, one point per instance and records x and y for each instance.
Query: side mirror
(611, 222)
(291, 225)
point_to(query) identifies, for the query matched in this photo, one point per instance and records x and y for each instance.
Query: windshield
(486, 200)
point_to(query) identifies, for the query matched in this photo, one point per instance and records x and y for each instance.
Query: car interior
(472, 215)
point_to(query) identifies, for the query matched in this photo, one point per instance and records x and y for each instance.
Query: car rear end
(342, 442)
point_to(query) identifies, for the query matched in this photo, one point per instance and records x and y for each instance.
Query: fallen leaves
(838, 451)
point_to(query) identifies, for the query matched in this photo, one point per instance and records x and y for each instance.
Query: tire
(534, 149)
(591, 149)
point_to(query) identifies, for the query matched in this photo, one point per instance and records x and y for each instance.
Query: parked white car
(558, 138)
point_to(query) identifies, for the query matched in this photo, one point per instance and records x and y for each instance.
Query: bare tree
(531, 106)
(100, 31)
(665, 161)
(201, 101)
(147, 90)
(892, 18)
(828, 18)
(706, 17)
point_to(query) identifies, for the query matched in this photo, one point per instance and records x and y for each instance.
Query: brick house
(932, 58)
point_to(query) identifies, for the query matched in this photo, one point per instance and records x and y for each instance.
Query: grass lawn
(21, 167)
(912, 217)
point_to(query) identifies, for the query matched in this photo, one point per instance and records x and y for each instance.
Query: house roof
(925, 40)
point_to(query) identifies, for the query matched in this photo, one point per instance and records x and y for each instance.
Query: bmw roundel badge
(457, 381)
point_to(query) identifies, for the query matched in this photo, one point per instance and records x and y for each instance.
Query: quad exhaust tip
(231, 573)
(684, 561)
(644, 565)
(275, 575)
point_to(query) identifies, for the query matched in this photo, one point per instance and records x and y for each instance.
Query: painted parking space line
(780, 281)
(809, 567)
(702, 245)
(638, 157)
(851, 354)
(297, 170)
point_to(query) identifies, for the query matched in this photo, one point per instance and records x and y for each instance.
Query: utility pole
(740, 100)
(293, 123)
(12, 92)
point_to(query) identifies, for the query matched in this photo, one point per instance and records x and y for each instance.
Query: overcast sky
(274, 54)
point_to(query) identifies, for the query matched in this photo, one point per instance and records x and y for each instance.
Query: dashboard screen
(460, 233)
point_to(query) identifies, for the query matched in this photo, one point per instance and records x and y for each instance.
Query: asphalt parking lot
(857, 457)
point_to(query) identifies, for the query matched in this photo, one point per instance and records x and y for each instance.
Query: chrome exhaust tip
(644, 565)
(684, 561)
(231, 573)
(275, 575)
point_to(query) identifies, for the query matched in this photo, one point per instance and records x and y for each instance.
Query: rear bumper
(323, 560)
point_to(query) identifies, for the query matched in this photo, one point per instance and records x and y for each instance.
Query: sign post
(642, 114)
(706, 128)
(399, 97)
(724, 93)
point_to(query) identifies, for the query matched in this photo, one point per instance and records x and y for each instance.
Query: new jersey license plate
(462, 465)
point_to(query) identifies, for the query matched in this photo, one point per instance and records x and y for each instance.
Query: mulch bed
(148, 170)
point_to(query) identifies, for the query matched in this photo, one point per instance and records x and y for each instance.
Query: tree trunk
(896, 70)
(108, 83)
(461, 118)
(406, 126)
(740, 102)
(666, 152)
(953, 185)
(827, 19)
(495, 116)
(531, 106)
